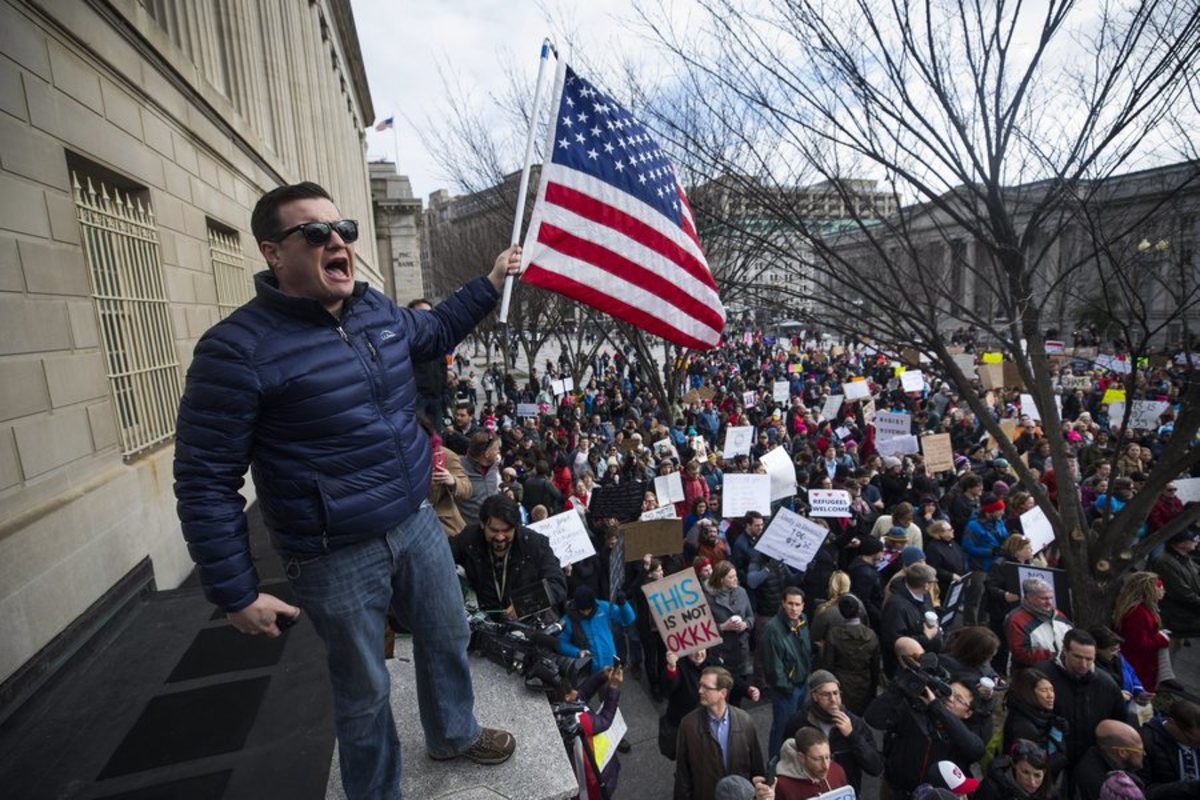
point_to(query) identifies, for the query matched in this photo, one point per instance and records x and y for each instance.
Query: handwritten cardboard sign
(992, 375)
(663, 537)
(737, 441)
(681, 613)
(781, 391)
(792, 539)
(782, 473)
(568, 537)
(828, 503)
(741, 493)
(965, 362)
(1037, 529)
(891, 424)
(938, 452)
(1145, 413)
(1012, 375)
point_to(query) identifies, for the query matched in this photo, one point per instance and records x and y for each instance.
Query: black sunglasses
(318, 233)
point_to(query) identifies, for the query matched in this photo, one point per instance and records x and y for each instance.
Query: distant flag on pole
(386, 124)
(611, 226)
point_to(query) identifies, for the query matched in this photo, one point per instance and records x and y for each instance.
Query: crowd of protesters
(925, 622)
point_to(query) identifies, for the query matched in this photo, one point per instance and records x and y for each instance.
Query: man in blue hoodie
(985, 533)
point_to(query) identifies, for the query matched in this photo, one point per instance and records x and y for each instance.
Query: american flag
(612, 227)
(385, 124)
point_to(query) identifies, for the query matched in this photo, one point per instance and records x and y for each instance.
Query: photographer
(922, 716)
(587, 627)
(591, 723)
(499, 556)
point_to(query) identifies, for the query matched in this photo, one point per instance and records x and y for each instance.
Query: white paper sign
(828, 503)
(912, 380)
(604, 745)
(1029, 407)
(792, 539)
(833, 404)
(781, 391)
(892, 424)
(741, 493)
(856, 390)
(1146, 413)
(842, 433)
(662, 512)
(844, 793)
(783, 474)
(965, 362)
(669, 489)
(1116, 412)
(738, 440)
(527, 409)
(1037, 529)
(783, 343)
(898, 446)
(1114, 364)
(568, 537)
(1188, 490)
(563, 386)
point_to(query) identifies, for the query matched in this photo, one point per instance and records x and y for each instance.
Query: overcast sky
(404, 41)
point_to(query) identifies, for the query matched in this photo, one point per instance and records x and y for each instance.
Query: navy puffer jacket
(322, 410)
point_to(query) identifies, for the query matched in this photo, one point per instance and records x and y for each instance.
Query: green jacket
(787, 656)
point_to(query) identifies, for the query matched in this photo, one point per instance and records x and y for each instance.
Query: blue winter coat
(981, 539)
(322, 410)
(598, 630)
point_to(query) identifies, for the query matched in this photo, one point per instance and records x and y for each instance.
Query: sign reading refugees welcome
(681, 613)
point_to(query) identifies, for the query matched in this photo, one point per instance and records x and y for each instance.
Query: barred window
(229, 269)
(120, 244)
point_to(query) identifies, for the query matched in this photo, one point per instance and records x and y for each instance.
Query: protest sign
(1187, 490)
(563, 386)
(604, 745)
(794, 368)
(780, 391)
(954, 598)
(844, 793)
(992, 375)
(792, 539)
(783, 474)
(568, 537)
(891, 424)
(828, 503)
(1055, 346)
(622, 501)
(1072, 382)
(938, 453)
(681, 613)
(833, 404)
(842, 432)
(1116, 413)
(856, 390)
(1114, 364)
(706, 392)
(909, 355)
(662, 512)
(691, 397)
(992, 358)
(660, 537)
(749, 399)
(669, 489)
(737, 441)
(898, 446)
(912, 380)
(837, 351)
(1029, 407)
(527, 409)
(1113, 396)
(784, 343)
(1037, 529)
(1146, 413)
(741, 493)
(1016, 573)
(868, 411)
(965, 362)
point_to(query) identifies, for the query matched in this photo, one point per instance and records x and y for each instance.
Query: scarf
(1044, 616)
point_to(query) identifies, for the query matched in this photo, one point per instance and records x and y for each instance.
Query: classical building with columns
(135, 138)
(397, 233)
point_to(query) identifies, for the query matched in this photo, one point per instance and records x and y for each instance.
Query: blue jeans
(782, 707)
(346, 594)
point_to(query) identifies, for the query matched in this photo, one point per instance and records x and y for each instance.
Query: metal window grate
(229, 270)
(121, 246)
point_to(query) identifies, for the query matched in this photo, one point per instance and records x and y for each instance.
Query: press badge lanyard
(502, 584)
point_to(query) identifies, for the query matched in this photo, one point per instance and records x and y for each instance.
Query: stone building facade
(135, 137)
(397, 233)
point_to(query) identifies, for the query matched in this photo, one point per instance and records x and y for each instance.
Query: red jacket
(1165, 509)
(1143, 640)
(789, 788)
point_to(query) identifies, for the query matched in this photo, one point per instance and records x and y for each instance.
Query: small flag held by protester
(611, 226)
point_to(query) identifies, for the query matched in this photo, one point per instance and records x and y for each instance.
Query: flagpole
(396, 144)
(547, 48)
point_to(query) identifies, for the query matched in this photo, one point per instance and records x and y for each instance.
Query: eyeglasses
(318, 233)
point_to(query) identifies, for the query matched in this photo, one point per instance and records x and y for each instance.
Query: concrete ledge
(538, 770)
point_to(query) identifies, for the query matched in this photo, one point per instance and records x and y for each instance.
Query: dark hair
(500, 507)
(1024, 683)
(1030, 752)
(792, 591)
(1186, 714)
(969, 481)
(1078, 636)
(848, 607)
(809, 737)
(974, 645)
(264, 220)
(723, 676)
(751, 516)
(479, 443)
(420, 301)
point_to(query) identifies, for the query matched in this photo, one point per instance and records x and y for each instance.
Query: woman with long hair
(1030, 704)
(826, 614)
(1136, 617)
(1023, 774)
(734, 615)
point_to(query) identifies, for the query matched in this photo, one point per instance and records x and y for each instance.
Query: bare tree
(1005, 133)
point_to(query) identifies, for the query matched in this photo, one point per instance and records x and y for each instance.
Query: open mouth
(337, 269)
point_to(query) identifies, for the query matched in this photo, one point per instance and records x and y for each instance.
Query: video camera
(924, 674)
(528, 650)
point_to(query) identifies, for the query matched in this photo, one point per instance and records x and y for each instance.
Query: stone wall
(197, 106)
